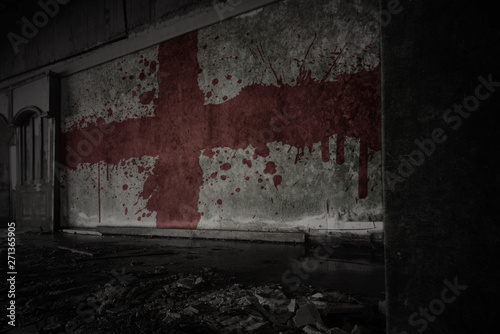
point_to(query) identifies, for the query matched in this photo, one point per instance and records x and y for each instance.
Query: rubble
(306, 315)
(98, 297)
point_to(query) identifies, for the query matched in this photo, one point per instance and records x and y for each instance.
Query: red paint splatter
(277, 179)
(223, 177)
(325, 150)
(142, 76)
(219, 202)
(152, 67)
(339, 154)
(225, 166)
(147, 97)
(184, 126)
(260, 180)
(214, 175)
(247, 162)
(215, 81)
(238, 190)
(99, 188)
(270, 168)
(126, 211)
(125, 187)
(229, 76)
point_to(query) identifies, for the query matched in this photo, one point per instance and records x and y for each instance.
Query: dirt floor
(93, 284)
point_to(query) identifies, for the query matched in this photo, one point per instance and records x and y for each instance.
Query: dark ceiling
(11, 13)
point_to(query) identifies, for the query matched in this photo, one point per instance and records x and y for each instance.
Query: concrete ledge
(286, 237)
(81, 231)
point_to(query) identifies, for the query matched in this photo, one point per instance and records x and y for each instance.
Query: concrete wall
(441, 87)
(267, 121)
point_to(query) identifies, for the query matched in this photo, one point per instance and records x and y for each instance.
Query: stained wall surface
(267, 121)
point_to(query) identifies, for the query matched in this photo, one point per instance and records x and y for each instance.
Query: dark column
(441, 94)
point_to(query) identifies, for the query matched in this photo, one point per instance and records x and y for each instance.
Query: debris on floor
(68, 292)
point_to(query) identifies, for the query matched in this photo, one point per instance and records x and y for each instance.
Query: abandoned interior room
(249, 166)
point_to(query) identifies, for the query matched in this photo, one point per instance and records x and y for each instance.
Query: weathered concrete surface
(441, 221)
(268, 121)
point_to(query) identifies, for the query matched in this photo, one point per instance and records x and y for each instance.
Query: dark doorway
(6, 133)
(34, 165)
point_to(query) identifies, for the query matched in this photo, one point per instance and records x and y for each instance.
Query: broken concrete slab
(311, 330)
(306, 315)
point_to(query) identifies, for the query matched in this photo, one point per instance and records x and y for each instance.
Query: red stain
(270, 168)
(147, 97)
(229, 76)
(184, 126)
(225, 166)
(214, 175)
(325, 150)
(339, 154)
(247, 162)
(152, 67)
(238, 190)
(215, 81)
(223, 177)
(219, 202)
(277, 179)
(99, 188)
(126, 211)
(142, 76)
(125, 187)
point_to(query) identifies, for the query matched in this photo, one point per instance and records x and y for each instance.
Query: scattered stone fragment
(307, 315)
(358, 329)
(187, 283)
(311, 330)
(337, 330)
(322, 327)
(191, 310)
(291, 306)
(317, 296)
(230, 321)
(255, 326)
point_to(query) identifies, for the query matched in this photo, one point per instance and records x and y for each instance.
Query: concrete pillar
(441, 91)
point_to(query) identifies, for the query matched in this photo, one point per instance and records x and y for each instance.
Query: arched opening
(31, 128)
(32, 158)
(6, 208)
